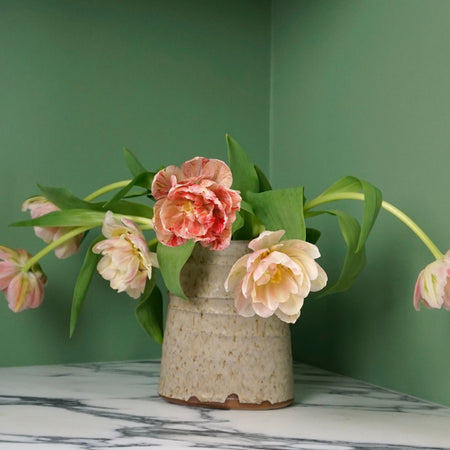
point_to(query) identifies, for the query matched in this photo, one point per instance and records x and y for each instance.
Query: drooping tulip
(40, 206)
(433, 285)
(126, 262)
(276, 277)
(23, 289)
(195, 202)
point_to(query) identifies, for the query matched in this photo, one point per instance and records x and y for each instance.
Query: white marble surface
(115, 405)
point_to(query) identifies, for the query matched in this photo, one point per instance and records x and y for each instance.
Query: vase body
(213, 357)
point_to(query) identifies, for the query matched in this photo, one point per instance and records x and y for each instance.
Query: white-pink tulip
(433, 284)
(23, 289)
(127, 262)
(39, 206)
(276, 277)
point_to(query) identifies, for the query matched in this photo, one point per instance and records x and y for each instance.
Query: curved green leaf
(65, 218)
(264, 183)
(131, 208)
(312, 235)
(281, 209)
(143, 179)
(245, 178)
(171, 260)
(354, 261)
(238, 223)
(149, 311)
(372, 202)
(63, 198)
(82, 284)
(133, 163)
(346, 184)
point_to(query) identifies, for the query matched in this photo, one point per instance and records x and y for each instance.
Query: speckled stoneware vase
(213, 357)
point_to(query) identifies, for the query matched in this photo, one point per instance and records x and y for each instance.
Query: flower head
(276, 277)
(127, 262)
(39, 206)
(195, 202)
(23, 289)
(433, 284)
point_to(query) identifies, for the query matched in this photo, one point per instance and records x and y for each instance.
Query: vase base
(231, 402)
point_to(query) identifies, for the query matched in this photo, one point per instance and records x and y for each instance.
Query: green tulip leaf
(133, 164)
(63, 198)
(264, 183)
(65, 218)
(144, 179)
(130, 208)
(354, 261)
(245, 177)
(281, 209)
(149, 311)
(312, 235)
(372, 202)
(238, 223)
(346, 184)
(171, 260)
(82, 284)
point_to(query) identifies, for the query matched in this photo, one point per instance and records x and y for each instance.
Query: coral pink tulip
(276, 277)
(433, 285)
(40, 206)
(23, 290)
(195, 202)
(127, 262)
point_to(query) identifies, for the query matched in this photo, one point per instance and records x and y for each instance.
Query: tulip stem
(70, 234)
(386, 206)
(107, 188)
(152, 242)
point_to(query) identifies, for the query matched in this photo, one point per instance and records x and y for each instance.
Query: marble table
(116, 405)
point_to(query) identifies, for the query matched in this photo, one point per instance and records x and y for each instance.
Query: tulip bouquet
(204, 202)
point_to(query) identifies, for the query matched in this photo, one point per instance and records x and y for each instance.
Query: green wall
(350, 87)
(79, 81)
(363, 88)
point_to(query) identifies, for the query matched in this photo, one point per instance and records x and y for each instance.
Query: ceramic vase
(213, 357)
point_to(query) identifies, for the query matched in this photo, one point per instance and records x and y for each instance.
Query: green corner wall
(363, 88)
(79, 81)
(314, 90)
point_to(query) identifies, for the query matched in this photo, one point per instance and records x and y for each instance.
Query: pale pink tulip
(276, 277)
(127, 262)
(23, 290)
(433, 285)
(39, 206)
(195, 202)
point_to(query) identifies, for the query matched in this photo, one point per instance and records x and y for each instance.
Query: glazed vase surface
(213, 357)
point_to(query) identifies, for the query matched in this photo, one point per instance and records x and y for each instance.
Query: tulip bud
(23, 290)
(39, 206)
(433, 284)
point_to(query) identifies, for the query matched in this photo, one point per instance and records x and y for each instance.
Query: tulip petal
(266, 240)
(276, 277)
(198, 205)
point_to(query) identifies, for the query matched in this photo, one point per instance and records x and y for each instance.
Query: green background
(314, 90)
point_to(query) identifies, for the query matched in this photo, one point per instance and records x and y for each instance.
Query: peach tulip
(433, 284)
(23, 289)
(127, 262)
(40, 206)
(195, 202)
(276, 277)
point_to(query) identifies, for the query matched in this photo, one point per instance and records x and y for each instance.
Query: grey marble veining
(116, 405)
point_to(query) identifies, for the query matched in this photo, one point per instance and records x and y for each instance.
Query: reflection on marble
(116, 405)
